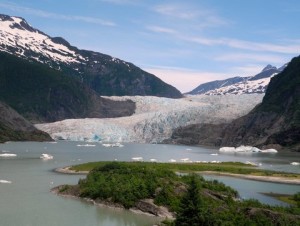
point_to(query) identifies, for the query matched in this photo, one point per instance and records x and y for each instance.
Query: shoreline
(66, 170)
(117, 207)
(271, 179)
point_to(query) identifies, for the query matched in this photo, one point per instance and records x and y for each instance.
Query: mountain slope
(239, 85)
(105, 74)
(274, 123)
(277, 120)
(13, 127)
(42, 94)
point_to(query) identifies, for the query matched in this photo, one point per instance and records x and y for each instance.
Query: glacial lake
(27, 200)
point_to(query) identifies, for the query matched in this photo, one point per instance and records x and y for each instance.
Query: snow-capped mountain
(105, 74)
(203, 88)
(240, 85)
(19, 38)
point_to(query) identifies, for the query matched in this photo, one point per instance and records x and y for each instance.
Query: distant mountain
(209, 86)
(103, 73)
(13, 127)
(239, 85)
(42, 94)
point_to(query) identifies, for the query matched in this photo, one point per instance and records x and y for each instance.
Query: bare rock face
(148, 206)
(12, 119)
(204, 134)
(13, 127)
(254, 212)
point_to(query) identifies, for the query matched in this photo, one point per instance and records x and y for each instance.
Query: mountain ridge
(239, 85)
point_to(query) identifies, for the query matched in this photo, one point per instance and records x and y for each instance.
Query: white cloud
(201, 18)
(121, 2)
(256, 46)
(159, 29)
(183, 79)
(288, 48)
(45, 14)
(246, 57)
(176, 11)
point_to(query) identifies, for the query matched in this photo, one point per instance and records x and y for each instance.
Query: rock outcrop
(13, 127)
(148, 206)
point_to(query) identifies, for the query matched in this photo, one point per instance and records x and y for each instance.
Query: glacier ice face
(155, 118)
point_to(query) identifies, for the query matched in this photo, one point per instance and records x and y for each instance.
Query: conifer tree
(191, 212)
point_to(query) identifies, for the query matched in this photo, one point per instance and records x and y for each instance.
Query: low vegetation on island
(222, 167)
(191, 199)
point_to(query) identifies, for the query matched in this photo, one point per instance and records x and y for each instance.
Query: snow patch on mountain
(155, 118)
(246, 87)
(16, 34)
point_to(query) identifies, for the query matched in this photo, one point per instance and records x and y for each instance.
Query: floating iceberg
(185, 159)
(172, 160)
(153, 160)
(46, 156)
(8, 155)
(269, 151)
(86, 145)
(250, 163)
(245, 149)
(227, 149)
(5, 182)
(295, 163)
(113, 145)
(137, 159)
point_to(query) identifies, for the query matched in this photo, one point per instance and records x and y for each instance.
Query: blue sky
(185, 42)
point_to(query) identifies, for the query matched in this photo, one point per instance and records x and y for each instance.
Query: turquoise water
(28, 201)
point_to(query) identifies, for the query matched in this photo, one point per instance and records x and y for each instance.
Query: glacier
(154, 119)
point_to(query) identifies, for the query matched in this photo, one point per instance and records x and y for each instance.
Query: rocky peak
(16, 23)
(269, 67)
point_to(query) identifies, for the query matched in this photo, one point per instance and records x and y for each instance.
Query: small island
(156, 188)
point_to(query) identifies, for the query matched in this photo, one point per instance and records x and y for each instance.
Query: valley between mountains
(82, 95)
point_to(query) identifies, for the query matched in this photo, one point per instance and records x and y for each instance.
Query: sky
(185, 43)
